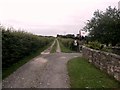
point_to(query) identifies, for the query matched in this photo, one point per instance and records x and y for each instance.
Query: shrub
(94, 45)
(16, 45)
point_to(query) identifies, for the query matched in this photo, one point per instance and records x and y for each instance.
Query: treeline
(16, 45)
(72, 36)
(104, 27)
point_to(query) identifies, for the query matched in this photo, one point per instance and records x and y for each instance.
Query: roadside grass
(64, 49)
(54, 47)
(6, 72)
(85, 75)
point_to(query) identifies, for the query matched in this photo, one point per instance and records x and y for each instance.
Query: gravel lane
(55, 73)
(44, 71)
(58, 50)
(26, 75)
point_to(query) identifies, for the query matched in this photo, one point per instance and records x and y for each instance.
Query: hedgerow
(16, 45)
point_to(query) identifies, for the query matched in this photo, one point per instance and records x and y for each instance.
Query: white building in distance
(119, 5)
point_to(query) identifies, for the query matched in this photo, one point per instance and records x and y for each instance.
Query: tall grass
(68, 44)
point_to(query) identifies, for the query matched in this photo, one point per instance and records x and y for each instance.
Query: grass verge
(14, 67)
(54, 47)
(64, 49)
(85, 75)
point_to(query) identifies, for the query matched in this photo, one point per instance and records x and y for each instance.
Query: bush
(95, 45)
(16, 45)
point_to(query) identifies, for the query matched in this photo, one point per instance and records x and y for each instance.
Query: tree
(105, 26)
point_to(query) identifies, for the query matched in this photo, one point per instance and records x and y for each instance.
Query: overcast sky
(50, 17)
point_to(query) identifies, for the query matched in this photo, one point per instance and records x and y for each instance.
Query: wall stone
(108, 62)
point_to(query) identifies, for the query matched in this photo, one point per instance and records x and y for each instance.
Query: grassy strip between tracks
(54, 47)
(15, 66)
(85, 75)
(64, 49)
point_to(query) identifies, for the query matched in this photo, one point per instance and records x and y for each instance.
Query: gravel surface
(44, 71)
(58, 50)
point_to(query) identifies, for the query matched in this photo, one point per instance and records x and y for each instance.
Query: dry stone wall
(108, 62)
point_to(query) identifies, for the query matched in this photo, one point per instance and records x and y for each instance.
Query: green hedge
(16, 45)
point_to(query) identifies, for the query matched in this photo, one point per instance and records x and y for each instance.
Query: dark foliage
(16, 45)
(72, 36)
(104, 27)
